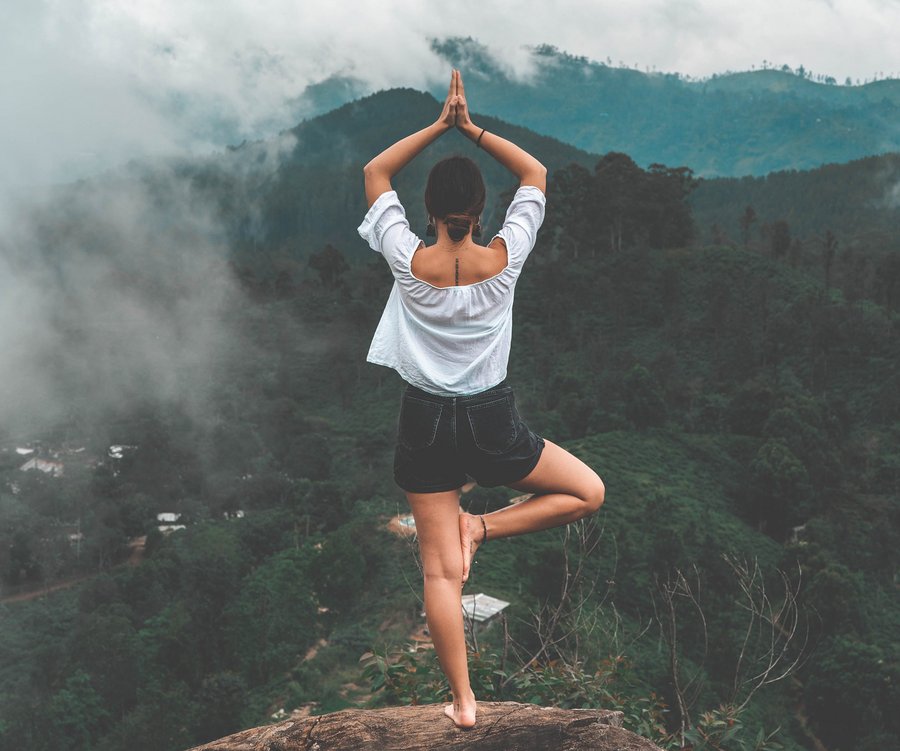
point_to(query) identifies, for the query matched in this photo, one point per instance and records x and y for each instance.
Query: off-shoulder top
(450, 341)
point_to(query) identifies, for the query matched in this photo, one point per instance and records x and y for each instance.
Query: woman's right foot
(471, 535)
(462, 712)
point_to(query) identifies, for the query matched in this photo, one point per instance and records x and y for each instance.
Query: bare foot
(462, 712)
(470, 535)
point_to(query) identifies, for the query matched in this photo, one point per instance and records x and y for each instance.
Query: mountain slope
(315, 195)
(857, 199)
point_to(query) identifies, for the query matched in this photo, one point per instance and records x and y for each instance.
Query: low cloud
(110, 295)
(95, 83)
(117, 292)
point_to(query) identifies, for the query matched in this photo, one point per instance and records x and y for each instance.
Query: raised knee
(594, 498)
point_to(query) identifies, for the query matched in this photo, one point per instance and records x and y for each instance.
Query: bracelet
(483, 525)
(478, 144)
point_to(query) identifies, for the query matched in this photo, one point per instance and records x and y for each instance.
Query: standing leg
(565, 490)
(437, 529)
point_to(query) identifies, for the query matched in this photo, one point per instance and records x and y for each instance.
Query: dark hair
(455, 193)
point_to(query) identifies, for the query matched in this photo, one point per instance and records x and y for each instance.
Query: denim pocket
(494, 424)
(418, 422)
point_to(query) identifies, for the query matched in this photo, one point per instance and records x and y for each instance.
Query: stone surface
(502, 726)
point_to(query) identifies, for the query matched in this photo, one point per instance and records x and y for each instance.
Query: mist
(117, 292)
(95, 84)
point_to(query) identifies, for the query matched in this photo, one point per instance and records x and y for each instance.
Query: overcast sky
(91, 83)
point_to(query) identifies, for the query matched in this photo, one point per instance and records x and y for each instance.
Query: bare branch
(561, 627)
(777, 624)
(669, 591)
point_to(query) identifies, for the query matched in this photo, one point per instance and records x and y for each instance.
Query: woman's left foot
(471, 533)
(462, 712)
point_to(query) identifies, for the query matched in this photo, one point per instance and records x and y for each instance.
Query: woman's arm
(382, 168)
(518, 161)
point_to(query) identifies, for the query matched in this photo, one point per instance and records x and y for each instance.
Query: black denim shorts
(444, 440)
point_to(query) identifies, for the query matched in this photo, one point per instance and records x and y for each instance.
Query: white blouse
(449, 341)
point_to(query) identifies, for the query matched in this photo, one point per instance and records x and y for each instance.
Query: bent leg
(437, 528)
(565, 490)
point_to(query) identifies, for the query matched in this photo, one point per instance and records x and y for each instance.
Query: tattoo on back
(457, 271)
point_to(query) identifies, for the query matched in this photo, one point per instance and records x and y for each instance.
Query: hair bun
(458, 226)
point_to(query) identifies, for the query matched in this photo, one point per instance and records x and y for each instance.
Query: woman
(446, 329)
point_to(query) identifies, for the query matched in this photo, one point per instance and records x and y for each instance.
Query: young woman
(446, 329)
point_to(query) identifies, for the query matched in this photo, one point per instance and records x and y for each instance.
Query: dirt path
(137, 545)
(35, 593)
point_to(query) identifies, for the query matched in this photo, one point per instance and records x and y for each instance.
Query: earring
(476, 230)
(429, 230)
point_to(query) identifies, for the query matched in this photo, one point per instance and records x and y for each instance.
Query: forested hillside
(859, 201)
(279, 200)
(742, 406)
(315, 194)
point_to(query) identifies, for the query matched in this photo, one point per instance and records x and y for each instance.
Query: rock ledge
(502, 726)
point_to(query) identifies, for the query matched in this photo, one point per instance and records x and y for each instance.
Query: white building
(482, 608)
(47, 466)
(168, 529)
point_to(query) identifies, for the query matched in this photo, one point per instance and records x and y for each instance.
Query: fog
(95, 83)
(115, 292)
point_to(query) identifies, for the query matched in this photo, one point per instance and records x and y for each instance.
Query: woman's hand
(463, 121)
(451, 104)
(379, 171)
(518, 161)
(456, 110)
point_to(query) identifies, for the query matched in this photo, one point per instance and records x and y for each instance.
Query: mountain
(281, 199)
(748, 123)
(313, 194)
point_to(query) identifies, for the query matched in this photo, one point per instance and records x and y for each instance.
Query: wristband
(478, 140)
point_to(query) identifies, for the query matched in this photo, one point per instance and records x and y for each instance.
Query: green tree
(835, 595)
(105, 643)
(829, 249)
(780, 238)
(748, 218)
(213, 564)
(801, 426)
(779, 493)
(221, 699)
(851, 692)
(159, 721)
(666, 211)
(340, 569)
(569, 222)
(273, 619)
(644, 403)
(76, 714)
(618, 185)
